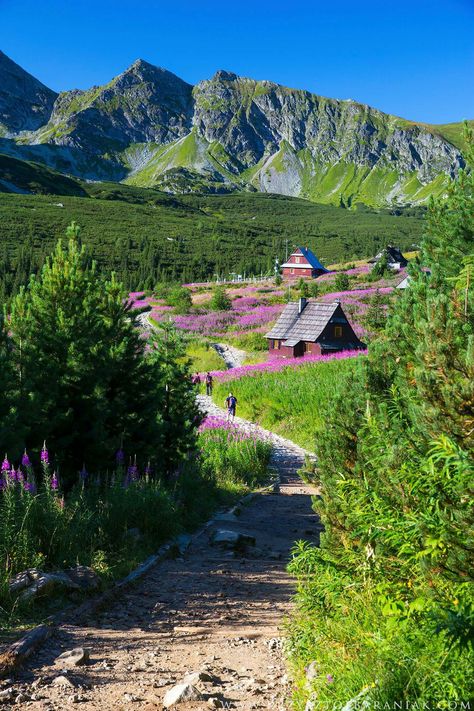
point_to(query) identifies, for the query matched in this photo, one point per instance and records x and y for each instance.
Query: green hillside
(146, 235)
(20, 176)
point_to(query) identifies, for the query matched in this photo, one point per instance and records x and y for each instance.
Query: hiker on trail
(231, 403)
(196, 379)
(208, 384)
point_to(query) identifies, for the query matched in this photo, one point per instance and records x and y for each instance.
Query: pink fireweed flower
(29, 487)
(44, 454)
(54, 482)
(25, 460)
(5, 465)
(329, 678)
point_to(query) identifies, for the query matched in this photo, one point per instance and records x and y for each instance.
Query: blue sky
(414, 59)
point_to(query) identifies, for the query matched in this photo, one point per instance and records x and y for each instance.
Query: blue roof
(312, 259)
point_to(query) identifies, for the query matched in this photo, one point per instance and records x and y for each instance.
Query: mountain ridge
(149, 127)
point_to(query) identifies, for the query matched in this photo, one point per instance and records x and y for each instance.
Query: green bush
(341, 282)
(180, 299)
(220, 300)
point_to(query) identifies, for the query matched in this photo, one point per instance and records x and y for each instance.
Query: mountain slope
(25, 103)
(150, 128)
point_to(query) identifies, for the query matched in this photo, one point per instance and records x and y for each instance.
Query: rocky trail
(204, 629)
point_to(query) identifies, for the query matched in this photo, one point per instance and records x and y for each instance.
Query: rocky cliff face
(151, 128)
(25, 103)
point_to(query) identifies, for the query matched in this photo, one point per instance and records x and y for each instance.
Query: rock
(181, 693)
(74, 699)
(232, 539)
(214, 703)
(62, 681)
(6, 695)
(276, 488)
(22, 698)
(131, 698)
(311, 671)
(195, 677)
(23, 580)
(84, 577)
(75, 657)
(45, 583)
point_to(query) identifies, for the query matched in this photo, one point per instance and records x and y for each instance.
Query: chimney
(301, 304)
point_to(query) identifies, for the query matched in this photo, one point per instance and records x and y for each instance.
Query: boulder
(232, 539)
(75, 657)
(46, 583)
(84, 577)
(195, 677)
(181, 693)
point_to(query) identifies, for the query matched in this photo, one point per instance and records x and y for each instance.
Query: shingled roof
(305, 326)
(394, 256)
(310, 257)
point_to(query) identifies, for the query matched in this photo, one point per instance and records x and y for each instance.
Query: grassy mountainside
(19, 176)
(147, 236)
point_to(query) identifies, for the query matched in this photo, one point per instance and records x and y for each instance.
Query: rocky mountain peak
(25, 103)
(223, 75)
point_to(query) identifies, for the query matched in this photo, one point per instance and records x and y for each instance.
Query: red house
(312, 327)
(303, 263)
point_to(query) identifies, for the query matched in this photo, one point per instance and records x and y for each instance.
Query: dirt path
(232, 357)
(212, 611)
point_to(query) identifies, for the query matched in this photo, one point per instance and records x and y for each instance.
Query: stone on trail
(62, 681)
(75, 657)
(232, 539)
(195, 677)
(181, 693)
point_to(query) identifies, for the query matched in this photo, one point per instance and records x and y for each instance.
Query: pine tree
(84, 381)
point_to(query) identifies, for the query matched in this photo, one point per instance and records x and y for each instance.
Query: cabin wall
(297, 272)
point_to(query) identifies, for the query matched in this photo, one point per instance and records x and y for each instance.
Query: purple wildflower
(25, 460)
(148, 469)
(120, 456)
(5, 464)
(329, 678)
(54, 482)
(132, 471)
(44, 454)
(29, 487)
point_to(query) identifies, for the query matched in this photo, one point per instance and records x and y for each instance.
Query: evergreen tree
(341, 282)
(84, 380)
(179, 413)
(220, 300)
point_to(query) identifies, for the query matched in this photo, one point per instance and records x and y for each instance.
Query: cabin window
(272, 343)
(337, 331)
(278, 345)
(297, 260)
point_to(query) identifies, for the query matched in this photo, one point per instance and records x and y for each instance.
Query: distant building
(303, 263)
(312, 327)
(395, 259)
(404, 282)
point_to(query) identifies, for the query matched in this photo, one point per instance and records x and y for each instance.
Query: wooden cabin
(312, 327)
(395, 259)
(303, 263)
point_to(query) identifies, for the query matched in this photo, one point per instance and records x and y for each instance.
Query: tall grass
(290, 402)
(91, 525)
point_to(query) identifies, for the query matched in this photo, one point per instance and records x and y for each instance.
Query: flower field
(255, 308)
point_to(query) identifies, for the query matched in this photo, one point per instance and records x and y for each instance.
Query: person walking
(208, 384)
(231, 403)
